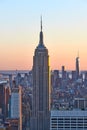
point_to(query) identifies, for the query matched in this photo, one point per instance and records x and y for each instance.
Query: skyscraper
(4, 97)
(77, 67)
(40, 118)
(16, 105)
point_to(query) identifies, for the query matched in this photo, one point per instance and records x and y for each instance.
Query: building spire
(41, 43)
(41, 34)
(41, 23)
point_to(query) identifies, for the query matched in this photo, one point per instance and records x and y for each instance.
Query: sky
(64, 29)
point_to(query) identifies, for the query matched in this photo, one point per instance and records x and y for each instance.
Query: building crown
(41, 44)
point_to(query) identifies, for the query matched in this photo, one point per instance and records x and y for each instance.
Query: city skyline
(64, 27)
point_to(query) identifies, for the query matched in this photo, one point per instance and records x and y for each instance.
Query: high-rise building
(40, 119)
(10, 80)
(73, 75)
(55, 78)
(16, 105)
(77, 67)
(63, 73)
(4, 98)
(7, 98)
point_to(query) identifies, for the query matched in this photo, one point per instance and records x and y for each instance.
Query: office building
(4, 98)
(63, 73)
(73, 75)
(77, 67)
(68, 120)
(16, 105)
(7, 98)
(40, 118)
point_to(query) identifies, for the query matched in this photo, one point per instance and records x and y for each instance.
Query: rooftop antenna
(41, 23)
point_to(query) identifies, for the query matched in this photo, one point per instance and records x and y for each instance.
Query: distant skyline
(64, 29)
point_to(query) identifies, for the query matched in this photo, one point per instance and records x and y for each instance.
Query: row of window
(70, 122)
(69, 118)
(68, 128)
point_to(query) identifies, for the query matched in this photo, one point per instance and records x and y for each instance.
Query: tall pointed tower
(77, 67)
(40, 118)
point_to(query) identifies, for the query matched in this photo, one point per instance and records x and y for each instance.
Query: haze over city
(64, 28)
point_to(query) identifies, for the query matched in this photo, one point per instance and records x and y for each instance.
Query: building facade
(16, 105)
(4, 98)
(68, 120)
(40, 117)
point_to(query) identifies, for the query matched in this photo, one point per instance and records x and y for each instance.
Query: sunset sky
(64, 28)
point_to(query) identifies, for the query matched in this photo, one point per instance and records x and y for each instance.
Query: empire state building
(40, 118)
